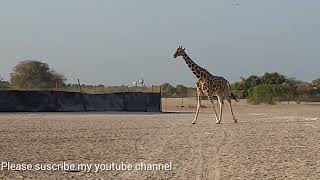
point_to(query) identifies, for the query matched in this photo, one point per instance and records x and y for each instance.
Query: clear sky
(113, 42)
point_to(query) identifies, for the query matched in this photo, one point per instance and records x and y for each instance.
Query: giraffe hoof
(217, 122)
(193, 122)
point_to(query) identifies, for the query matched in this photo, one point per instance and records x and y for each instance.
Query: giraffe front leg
(220, 99)
(197, 111)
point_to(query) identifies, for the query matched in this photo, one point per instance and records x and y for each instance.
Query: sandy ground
(269, 142)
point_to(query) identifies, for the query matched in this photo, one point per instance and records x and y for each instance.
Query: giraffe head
(180, 52)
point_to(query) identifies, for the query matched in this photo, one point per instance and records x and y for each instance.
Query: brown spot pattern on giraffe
(210, 84)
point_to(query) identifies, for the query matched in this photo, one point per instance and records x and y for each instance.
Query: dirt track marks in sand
(269, 142)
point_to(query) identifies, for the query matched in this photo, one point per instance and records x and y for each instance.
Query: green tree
(273, 78)
(35, 74)
(239, 88)
(304, 89)
(316, 83)
(167, 90)
(250, 83)
(247, 85)
(181, 91)
(253, 81)
(288, 90)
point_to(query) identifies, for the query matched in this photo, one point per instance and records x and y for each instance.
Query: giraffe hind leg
(230, 106)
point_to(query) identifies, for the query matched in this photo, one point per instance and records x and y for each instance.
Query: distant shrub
(266, 93)
(4, 84)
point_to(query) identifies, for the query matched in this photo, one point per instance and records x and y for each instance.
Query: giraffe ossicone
(209, 85)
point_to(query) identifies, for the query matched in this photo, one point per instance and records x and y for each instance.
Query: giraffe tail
(234, 97)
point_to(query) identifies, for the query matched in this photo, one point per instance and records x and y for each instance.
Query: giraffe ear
(184, 49)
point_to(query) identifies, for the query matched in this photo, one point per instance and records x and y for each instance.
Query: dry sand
(269, 142)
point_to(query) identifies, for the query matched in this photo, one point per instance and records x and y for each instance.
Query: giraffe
(208, 85)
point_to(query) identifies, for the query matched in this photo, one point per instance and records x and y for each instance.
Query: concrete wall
(59, 101)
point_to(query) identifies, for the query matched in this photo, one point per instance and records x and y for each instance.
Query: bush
(266, 93)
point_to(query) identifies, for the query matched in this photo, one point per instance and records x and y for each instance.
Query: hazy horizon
(114, 42)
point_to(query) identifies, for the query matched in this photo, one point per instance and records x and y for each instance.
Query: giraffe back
(215, 85)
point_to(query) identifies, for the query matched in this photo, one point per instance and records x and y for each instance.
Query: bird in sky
(235, 3)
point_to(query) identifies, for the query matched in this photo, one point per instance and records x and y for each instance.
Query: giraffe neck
(196, 69)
